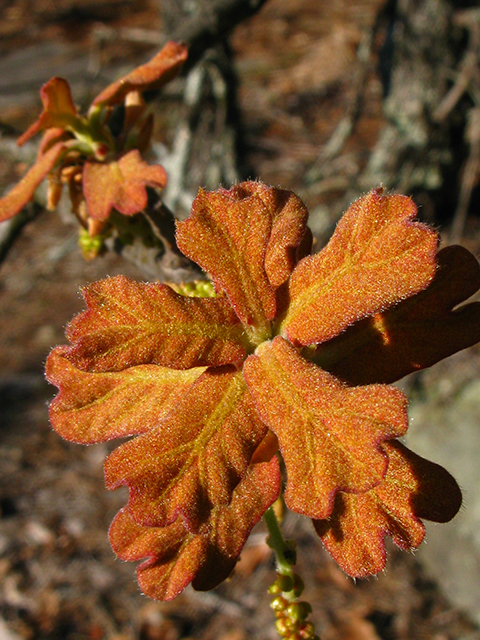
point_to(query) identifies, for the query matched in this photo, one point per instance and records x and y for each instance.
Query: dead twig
(467, 80)
(163, 262)
(470, 173)
(468, 67)
(211, 23)
(10, 230)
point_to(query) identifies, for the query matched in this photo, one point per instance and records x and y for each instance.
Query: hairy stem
(284, 550)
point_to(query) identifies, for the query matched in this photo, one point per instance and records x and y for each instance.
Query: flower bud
(299, 610)
(278, 604)
(282, 628)
(298, 585)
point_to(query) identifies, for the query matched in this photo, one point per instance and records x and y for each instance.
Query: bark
(421, 149)
(208, 24)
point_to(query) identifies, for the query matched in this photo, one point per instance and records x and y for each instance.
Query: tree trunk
(421, 149)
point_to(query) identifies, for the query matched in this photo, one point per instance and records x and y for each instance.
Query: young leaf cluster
(292, 355)
(103, 171)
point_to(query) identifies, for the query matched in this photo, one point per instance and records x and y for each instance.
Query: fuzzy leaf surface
(177, 557)
(289, 228)
(416, 333)
(148, 77)
(58, 109)
(194, 459)
(227, 234)
(23, 191)
(377, 257)
(329, 434)
(413, 488)
(128, 323)
(95, 407)
(120, 184)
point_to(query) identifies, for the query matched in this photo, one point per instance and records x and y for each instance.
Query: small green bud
(274, 589)
(307, 631)
(298, 585)
(291, 624)
(284, 582)
(91, 247)
(299, 610)
(206, 289)
(279, 604)
(195, 289)
(282, 628)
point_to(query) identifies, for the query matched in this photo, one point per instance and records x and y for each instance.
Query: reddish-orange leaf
(17, 198)
(289, 228)
(58, 109)
(195, 458)
(150, 76)
(376, 258)
(329, 434)
(120, 184)
(50, 138)
(178, 557)
(227, 234)
(94, 407)
(175, 556)
(416, 333)
(267, 448)
(413, 488)
(129, 323)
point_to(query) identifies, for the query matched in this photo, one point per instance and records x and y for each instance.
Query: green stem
(291, 614)
(284, 552)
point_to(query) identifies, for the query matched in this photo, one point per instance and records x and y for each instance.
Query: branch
(10, 230)
(211, 23)
(163, 262)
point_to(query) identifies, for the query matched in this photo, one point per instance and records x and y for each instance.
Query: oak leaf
(193, 460)
(23, 191)
(94, 407)
(416, 333)
(413, 489)
(234, 236)
(128, 323)
(58, 112)
(329, 434)
(289, 231)
(150, 76)
(120, 184)
(249, 241)
(376, 257)
(177, 556)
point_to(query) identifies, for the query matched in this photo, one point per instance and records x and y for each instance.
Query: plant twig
(470, 173)
(10, 230)
(206, 28)
(211, 23)
(468, 19)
